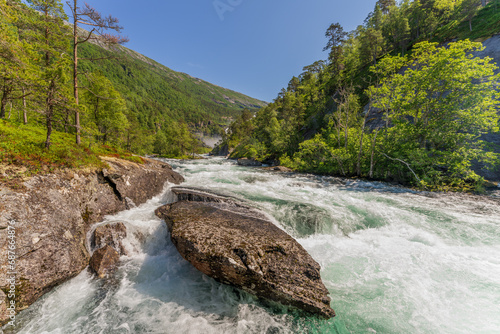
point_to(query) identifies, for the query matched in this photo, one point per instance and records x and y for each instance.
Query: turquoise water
(394, 261)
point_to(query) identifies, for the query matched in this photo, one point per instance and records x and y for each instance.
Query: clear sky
(250, 46)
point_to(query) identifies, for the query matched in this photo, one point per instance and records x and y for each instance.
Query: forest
(400, 98)
(70, 91)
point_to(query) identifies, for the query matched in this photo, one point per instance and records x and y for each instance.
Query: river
(394, 261)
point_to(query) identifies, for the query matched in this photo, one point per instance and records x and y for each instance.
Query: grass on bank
(485, 24)
(23, 153)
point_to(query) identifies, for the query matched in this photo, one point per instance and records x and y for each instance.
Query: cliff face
(49, 223)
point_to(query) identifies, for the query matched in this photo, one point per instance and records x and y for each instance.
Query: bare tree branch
(404, 162)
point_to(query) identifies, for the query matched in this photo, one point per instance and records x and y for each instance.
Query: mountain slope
(157, 94)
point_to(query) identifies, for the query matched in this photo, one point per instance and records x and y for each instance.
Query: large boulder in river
(236, 245)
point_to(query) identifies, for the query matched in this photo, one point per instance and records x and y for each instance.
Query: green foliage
(431, 106)
(174, 140)
(161, 95)
(127, 101)
(23, 145)
(106, 109)
(440, 105)
(485, 23)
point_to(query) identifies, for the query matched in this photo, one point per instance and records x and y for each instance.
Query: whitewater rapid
(394, 261)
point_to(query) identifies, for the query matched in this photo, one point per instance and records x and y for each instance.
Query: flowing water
(394, 261)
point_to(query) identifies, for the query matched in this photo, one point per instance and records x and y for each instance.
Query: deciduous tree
(440, 105)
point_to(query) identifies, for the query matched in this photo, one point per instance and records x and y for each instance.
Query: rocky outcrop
(112, 235)
(104, 260)
(53, 216)
(249, 162)
(236, 245)
(221, 150)
(133, 184)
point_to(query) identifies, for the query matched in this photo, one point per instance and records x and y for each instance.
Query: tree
(385, 5)
(98, 25)
(346, 115)
(58, 96)
(423, 17)
(106, 108)
(372, 42)
(397, 28)
(336, 36)
(17, 69)
(439, 106)
(54, 64)
(469, 8)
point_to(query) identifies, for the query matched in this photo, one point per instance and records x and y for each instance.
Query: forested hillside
(158, 94)
(391, 102)
(68, 76)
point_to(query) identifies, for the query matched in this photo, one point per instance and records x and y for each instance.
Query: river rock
(237, 246)
(54, 213)
(104, 260)
(279, 169)
(221, 150)
(249, 162)
(112, 235)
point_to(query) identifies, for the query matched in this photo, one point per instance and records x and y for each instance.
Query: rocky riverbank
(45, 225)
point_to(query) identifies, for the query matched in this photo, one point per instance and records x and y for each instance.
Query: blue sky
(255, 48)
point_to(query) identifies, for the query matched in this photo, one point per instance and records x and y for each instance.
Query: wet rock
(112, 235)
(53, 216)
(249, 162)
(237, 246)
(133, 181)
(104, 260)
(221, 150)
(279, 169)
(196, 195)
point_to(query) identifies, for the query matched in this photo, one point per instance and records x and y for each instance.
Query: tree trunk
(49, 113)
(372, 154)
(25, 112)
(66, 121)
(358, 165)
(75, 71)
(48, 119)
(346, 129)
(470, 24)
(3, 102)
